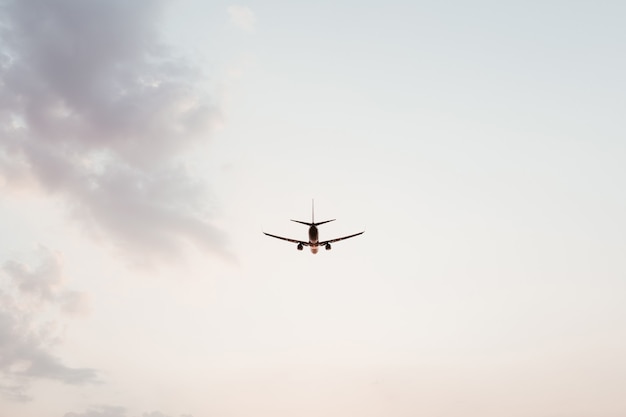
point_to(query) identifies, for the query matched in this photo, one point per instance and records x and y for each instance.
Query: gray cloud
(26, 342)
(95, 109)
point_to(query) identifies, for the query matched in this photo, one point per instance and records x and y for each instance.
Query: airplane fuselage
(313, 239)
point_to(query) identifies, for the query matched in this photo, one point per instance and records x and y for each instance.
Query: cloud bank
(26, 340)
(96, 110)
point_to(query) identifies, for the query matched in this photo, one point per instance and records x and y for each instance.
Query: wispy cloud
(26, 340)
(109, 411)
(242, 17)
(102, 411)
(44, 283)
(95, 109)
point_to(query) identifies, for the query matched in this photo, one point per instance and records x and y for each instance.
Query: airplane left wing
(340, 238)
(290, 240)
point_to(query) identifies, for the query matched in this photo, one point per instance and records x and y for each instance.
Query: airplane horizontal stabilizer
(313, 224)
(301, 222)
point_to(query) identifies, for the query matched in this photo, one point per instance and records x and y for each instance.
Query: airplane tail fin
(313, 223)
(313, 215)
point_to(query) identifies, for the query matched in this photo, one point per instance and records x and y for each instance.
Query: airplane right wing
(288, 239)
(340, 238)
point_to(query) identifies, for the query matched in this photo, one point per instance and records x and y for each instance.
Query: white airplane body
(313, 243)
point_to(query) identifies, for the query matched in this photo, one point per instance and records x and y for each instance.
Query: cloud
(108, 411)
(242, 17)
(27, 341)
(93, 108)
(26, 354)
(44, 283)
(14, 392)
(102, 411)
(75, 303)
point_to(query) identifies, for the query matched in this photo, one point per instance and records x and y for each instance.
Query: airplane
(313, 242)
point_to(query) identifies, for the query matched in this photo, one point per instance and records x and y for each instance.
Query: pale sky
(145, 145)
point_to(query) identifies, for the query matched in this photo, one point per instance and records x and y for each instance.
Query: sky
(145, 146)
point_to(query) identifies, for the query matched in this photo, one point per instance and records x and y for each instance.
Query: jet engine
(328, 247)
(300, 246)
